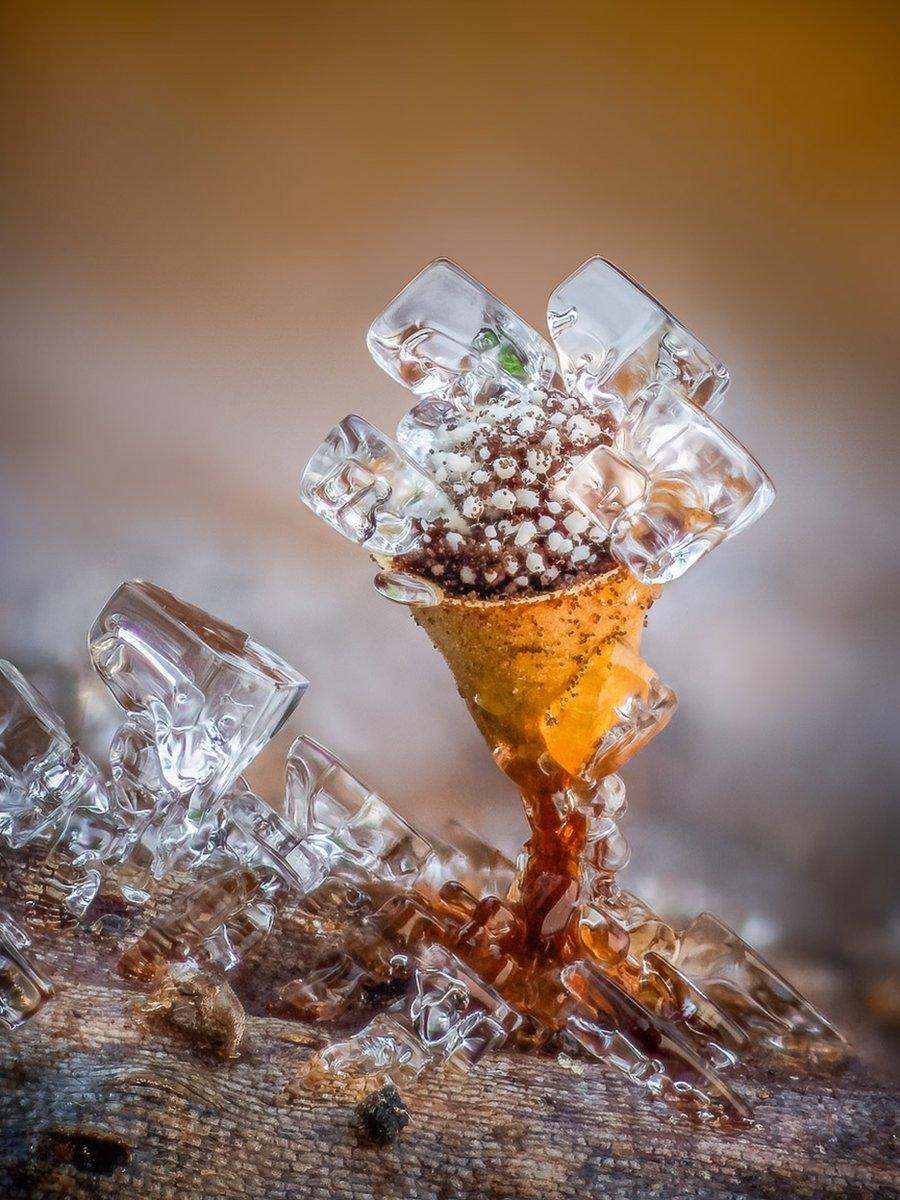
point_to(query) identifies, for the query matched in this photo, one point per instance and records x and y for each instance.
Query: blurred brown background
(205, 206)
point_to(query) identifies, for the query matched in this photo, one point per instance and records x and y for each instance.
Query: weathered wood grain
(93, 1104)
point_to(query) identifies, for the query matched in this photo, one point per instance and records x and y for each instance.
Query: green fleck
(510, 360)
(486, 339)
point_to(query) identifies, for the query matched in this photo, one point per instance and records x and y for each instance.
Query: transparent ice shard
(326, 801)
(719, 1038)
(602, 804)
(387, 1049)
(217, 922)
(214, 696)
(752, 992)
(608, 487)
(640, 718)
(203, 698)
(700, 486)
(52, 795)
(448, 1015)
(449, 340)
(647, 931)
(651, 1049)
(325, 992)
(43, 774)
(403, 588)
(455, 1013)
(612, 707)
(364, 485)
(258, 834)
(614, 338)
(23, 989)
(467, 859)
(157, 814)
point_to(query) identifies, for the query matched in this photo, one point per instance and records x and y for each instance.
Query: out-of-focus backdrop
(205, 206)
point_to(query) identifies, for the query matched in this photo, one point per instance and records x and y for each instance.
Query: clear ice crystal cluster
(201, 700)
(596, 459)
(541, 465)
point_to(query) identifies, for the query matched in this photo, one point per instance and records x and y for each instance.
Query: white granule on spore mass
(582, 429)
(458, 464)
(504, 499)
(538, 461)
(576, 522)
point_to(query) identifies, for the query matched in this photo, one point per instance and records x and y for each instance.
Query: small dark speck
(382, 1115)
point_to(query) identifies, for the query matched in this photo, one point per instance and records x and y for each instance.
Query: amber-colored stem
(548, 886)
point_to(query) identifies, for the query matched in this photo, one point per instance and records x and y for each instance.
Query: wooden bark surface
(95, 1104)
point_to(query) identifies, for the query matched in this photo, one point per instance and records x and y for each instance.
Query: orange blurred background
(204, 208)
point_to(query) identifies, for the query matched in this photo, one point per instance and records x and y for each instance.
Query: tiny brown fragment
(202, 1007)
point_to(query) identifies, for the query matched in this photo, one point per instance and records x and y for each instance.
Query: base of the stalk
(184, 1122)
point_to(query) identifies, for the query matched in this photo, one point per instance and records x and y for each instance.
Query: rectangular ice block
(614, 338)
(447, 337)
(43, 773)
(214, 695)
(363, 484)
